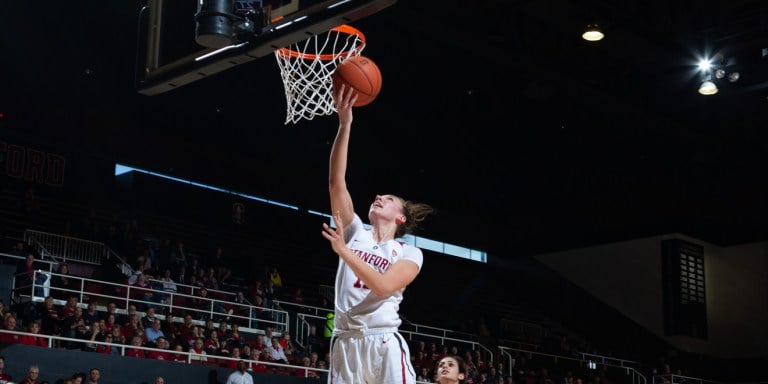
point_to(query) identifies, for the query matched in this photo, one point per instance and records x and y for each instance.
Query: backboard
(170, 54)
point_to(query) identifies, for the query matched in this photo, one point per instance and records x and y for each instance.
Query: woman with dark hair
(61, 283)
(450, 370)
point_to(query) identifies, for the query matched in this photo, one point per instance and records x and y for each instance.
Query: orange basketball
(362, 74)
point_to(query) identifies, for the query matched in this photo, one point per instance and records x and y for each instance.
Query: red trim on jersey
(402, 363)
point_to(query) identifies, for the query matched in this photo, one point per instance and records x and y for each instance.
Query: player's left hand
(335, 236)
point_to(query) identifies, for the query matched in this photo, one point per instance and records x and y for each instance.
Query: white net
(306, 68)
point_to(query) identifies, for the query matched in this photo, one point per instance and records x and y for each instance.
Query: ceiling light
(593, 33)
(720, 73)
(733, 77)
(707, 88)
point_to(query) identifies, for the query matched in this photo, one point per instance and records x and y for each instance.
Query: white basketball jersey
(356, 306)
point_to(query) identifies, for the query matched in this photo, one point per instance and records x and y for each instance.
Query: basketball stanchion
(307, 67)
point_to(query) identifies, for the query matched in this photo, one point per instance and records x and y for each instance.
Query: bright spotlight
(705, 65)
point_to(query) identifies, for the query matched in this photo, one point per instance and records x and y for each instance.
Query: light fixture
(593, 33)
(719, 73)
(707, 87)
(733, 77)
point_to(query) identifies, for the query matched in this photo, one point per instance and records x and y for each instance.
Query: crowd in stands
(165, 267)
(35, 376)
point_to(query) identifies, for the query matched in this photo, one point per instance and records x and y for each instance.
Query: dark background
(526, 138)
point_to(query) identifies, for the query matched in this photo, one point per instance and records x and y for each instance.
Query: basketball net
(306, 68)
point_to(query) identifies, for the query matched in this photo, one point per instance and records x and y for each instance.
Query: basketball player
(374, 269)
(450, 370)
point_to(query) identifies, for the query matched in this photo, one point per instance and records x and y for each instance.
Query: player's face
(448, 371)
(387, 207)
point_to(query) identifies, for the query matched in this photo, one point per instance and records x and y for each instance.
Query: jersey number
(359, 284)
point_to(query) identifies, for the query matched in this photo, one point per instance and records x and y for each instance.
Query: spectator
(112, 310)
(33, 376)
(117, 336)
(74, 327)
(93, 376)
(235, 357)
(323, 370)
(25, 275)
(178, 354)
(269, 332)
(240, 376)
(314, 341)
(136, 341)
(154, 332)
(169, 286)
(69, 307)
(19, 249)
(276, 351)
(9, 324)
(270, 293)
(290, 348)
(110, 323)
(50, 318)
(186, 331)
(159, 380)
(180, 277)
(79, 377)
(305, 371)
(223, 270)
(39, 341)
(257, 290)
(261, 348)
(198, 351)
(241, 308)
(256, 365)
(142, 291)
(62, 283)
(149, 318)
(91, 314)
(108, 349)
(179, 255)
(171, 331)
(161, 351)
(132, 327)
(479, 361)
(235, 339)
(277, 282)
(4, 377)
(212, 344)
(204, 303)
(211, 281)
(258, 312)
(314, 359)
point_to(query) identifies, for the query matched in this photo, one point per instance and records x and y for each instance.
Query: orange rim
(290, 53)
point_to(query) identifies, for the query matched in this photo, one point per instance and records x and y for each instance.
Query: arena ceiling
(525, 137)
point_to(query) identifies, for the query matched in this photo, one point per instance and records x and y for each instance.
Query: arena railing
(165, 302)
(553, 361)
(191, 357)
(63, 248)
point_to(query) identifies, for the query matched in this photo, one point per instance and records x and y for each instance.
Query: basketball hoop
(306, 68)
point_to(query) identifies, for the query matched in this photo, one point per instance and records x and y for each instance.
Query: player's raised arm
(341, 201)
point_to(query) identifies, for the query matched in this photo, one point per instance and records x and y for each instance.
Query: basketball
(362, 74)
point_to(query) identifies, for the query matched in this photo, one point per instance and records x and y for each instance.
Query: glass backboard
(172, 52)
